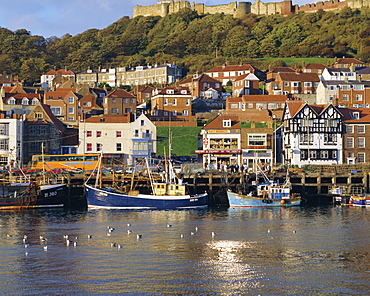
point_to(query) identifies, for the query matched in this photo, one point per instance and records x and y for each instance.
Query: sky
(50, 18)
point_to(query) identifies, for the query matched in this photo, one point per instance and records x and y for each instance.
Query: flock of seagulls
(69, 241)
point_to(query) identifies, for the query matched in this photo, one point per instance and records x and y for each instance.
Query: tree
(32, 69)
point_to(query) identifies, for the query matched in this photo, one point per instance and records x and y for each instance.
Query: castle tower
(242, 9)
(286, 7)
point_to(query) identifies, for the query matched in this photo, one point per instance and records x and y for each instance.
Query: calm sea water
(293, 251)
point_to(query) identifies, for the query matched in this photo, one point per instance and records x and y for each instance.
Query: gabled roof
(57, 123)
(316, 66)
(217, 122)
(61, 92)
(228, 68)
(20, 96)
(120, 93)
(62, 71)
(349, 61)
(282, 70)
(249, 76)
(90, 98)
(294, 107)
(308, 77)
(201, 78)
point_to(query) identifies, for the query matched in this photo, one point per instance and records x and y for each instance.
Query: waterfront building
(11, 139)
(356, 149)
(120, 138)
(313, 134)
(221, 142)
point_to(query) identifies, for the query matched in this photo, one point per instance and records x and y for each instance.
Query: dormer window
(226, 123)
(11, 101)
(24, 101)
(355, 115)
(184, 92)
(170, 91)
(34, 101)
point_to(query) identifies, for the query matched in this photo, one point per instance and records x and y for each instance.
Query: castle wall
(151, 10)
(225, 8)
(242, 8)
(358, 3)
(325, 5)
(259, 7)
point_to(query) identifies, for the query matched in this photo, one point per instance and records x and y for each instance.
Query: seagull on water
(45, 248)
(139, 236)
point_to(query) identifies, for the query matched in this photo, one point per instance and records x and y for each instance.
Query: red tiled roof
(348, 118)
(294, 107)
(316, 66)
(120, 93)
(63, 71)
(349, 61)
(309, 77)
(217, 122)
(228, 68)
(264, 98)
(201, 78)
(282, 70)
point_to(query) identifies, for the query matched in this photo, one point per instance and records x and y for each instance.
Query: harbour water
(279, 251)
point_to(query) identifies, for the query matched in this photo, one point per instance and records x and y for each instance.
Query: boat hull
(44, 196)
(241, 200)
(360, 201)
(99, 198)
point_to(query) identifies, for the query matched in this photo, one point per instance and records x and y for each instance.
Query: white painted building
(118, 138)
(312, 134)
(11, 134)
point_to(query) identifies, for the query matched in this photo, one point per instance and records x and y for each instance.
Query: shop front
(215, 159)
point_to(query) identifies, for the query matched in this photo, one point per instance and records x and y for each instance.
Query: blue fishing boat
(265, 194)
(170, 193)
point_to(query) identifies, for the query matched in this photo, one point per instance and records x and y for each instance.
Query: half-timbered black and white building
(312, 134)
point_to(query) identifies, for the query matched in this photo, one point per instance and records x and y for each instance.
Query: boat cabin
(168, 189)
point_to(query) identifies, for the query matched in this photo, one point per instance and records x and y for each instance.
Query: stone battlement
(239, 9)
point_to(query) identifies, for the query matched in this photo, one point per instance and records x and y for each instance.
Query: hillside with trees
(194, 42)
